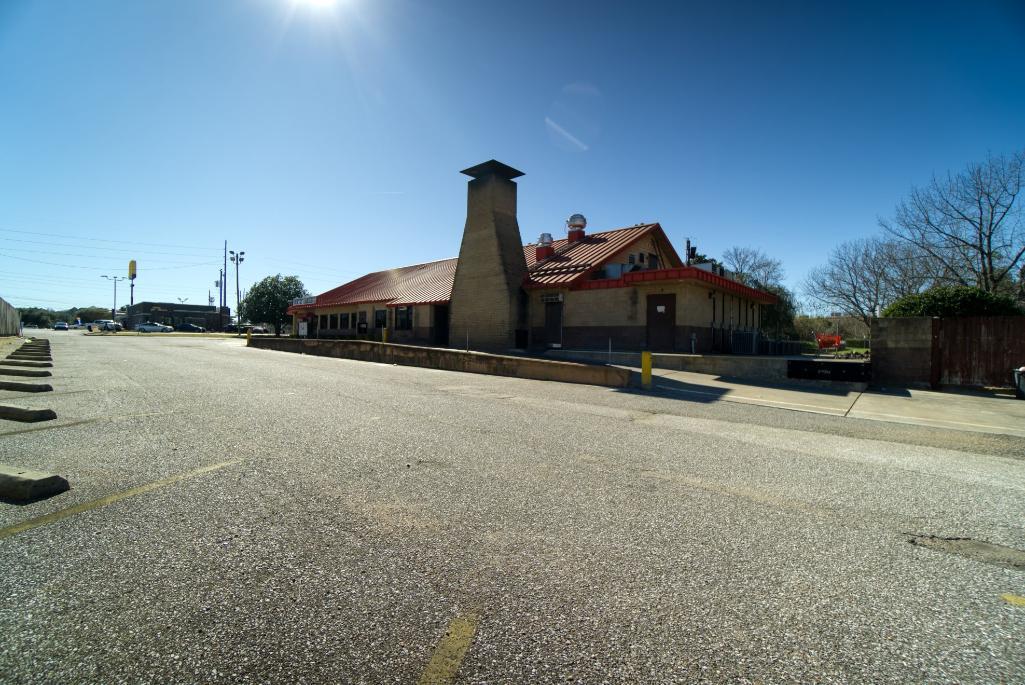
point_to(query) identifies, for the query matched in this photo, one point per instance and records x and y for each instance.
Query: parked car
(150, 327)
(60, 326)
(260, 329)
(105, 325)
(189, 328)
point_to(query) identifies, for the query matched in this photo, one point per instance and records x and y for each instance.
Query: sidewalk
(958, 411)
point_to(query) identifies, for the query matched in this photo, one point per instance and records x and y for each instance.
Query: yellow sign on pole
(131, 269)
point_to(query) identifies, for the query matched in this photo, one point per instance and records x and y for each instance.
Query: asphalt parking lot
(242, 515)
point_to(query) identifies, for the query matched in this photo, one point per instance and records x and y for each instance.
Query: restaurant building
(627, 287)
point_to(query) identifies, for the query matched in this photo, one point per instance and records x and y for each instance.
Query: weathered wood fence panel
(9, 319)
(923, 351)
(981, 350)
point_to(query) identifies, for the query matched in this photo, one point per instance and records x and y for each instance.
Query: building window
(652, 261)
(380, 318)
(333, 322)
(404, 318)
(322, 321)
(640, 257)
(343, 321)
(632, 259)
(362, 317)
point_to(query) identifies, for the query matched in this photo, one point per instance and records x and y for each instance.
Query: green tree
(953, 301)
(267, 301)
(88, 314)
(36, 317)
(778, 319)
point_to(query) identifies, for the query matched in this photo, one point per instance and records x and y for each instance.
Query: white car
(105, 325)
(150, 327)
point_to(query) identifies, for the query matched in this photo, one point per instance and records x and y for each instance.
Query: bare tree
(863, 276)
(752, 266)
(971, 225)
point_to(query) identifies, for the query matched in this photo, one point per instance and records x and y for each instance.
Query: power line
(103, 240)
(79, 266)
(105, 249)
(80, 256)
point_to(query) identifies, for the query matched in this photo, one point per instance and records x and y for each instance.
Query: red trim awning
(683, 273)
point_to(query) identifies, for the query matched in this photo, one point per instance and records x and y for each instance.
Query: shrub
(953, 301)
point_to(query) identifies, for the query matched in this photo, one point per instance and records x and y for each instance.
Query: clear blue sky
(326, 141)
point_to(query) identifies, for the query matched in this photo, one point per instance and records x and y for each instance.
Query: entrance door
(441, 325)
(553, 324)
(661, 322)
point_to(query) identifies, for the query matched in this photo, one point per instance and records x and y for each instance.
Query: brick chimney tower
(486, 305)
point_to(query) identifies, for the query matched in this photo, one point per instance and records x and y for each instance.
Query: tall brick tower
(486, 295)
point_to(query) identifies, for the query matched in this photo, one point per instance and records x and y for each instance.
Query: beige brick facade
(486, 295)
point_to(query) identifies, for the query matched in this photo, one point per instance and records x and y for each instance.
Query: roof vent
(576, 224)
(544, 247)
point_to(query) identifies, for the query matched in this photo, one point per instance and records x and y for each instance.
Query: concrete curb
(27, 415)
(24, 485)
(32, 373)
(34, 365)
(30, 357)
(25, 387)
(453, 360)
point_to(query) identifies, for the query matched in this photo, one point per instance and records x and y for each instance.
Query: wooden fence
(971, 351)
(9, 319)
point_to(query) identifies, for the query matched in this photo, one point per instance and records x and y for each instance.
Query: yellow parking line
(104, 501)
(448, 655)
(1013, 599)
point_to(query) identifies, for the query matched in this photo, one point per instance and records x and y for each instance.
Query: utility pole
(113, 311)
(224, 274)
(220, 298)
(237, 259)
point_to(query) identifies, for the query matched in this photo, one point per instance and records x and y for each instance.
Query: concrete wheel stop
(25, 387)
(27, 415)
(24, 373)
(24, 485)
(34, 365)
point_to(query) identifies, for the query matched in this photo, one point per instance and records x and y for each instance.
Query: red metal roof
(570, 266)
(573, 261)
(429, 283)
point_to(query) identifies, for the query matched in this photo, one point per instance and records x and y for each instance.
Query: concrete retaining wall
(734, 366)
(9, 319)
(451, 360)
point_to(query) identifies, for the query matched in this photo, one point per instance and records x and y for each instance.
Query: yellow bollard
(384, 335)
(646, 370)
(249, 336)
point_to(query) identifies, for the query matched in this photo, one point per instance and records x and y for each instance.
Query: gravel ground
(600, 535)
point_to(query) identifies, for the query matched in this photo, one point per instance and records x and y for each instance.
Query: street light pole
(113, 311)
(237, 259)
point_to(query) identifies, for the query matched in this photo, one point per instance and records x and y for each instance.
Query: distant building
(626, 286)
(174, 314)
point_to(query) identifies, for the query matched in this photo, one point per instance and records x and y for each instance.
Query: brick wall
(487, 288)
(592, 317)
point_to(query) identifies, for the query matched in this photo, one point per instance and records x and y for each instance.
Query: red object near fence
(828, 341)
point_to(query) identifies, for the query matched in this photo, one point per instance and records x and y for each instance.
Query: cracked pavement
(595, 535)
